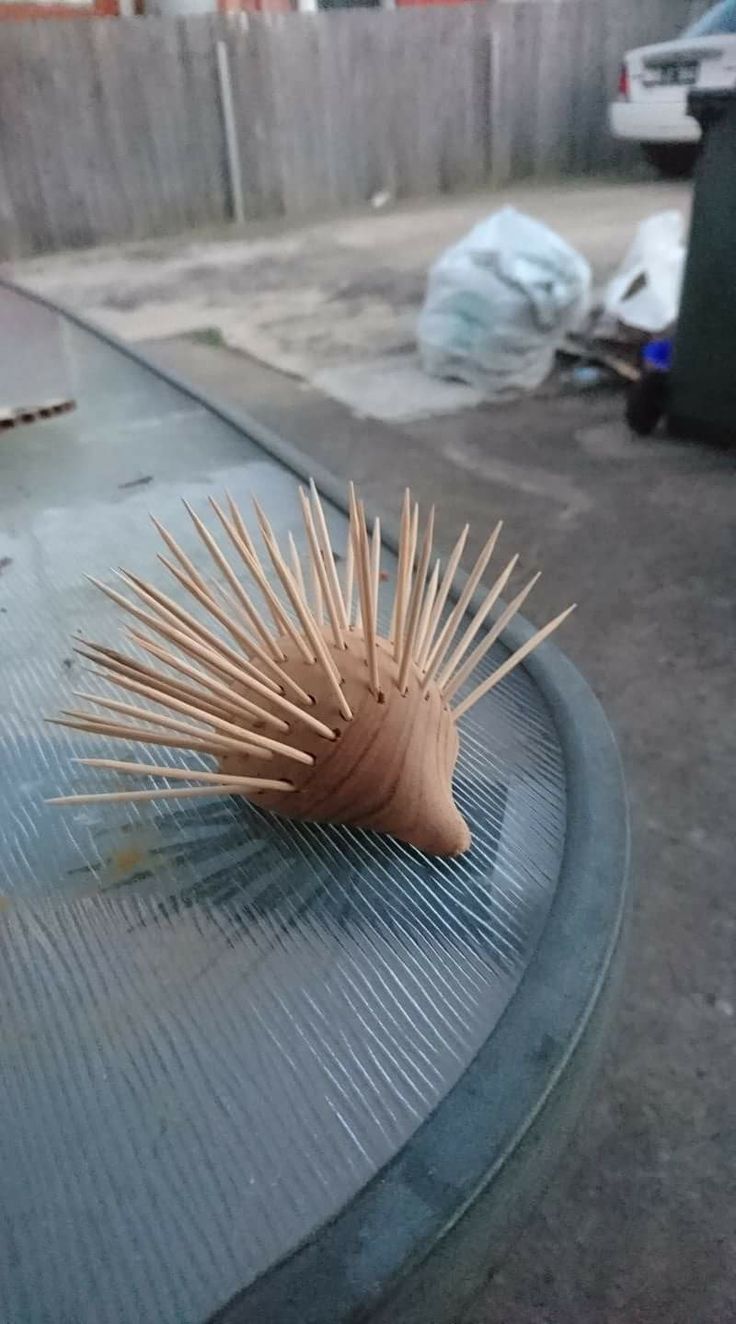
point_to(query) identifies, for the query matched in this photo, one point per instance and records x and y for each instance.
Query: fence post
(235, 174)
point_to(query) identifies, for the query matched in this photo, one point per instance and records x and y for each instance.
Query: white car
(655, 81)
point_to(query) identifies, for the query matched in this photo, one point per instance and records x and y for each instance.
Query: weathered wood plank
(501, 93)
(114, 130)
(204, 130)
(10, 234)
(525, 88)
(18, 153)
(129, 106)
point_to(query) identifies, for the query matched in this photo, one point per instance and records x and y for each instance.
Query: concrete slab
(393, 389)
(340, 291)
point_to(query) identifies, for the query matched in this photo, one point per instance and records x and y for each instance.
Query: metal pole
(235, 174)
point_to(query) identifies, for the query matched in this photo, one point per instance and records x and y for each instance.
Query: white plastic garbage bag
(499, 302)
(645, 292)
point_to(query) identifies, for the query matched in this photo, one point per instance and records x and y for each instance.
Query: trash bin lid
(706, 105)
(219, 1028)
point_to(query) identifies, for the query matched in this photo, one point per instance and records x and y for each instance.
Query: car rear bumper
(662, 122)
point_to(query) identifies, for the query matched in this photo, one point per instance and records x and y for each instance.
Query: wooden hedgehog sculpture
(305, 708)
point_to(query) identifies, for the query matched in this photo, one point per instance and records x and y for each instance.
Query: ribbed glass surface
(217, 1026)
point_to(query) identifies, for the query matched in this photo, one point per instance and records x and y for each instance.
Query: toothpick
(175, 773)
(511, 663)
(156, 793)
(206, 599)
(169, 612)
(427, 605)
(479, 652)
(415, 602)
(278, 700)
(164, 606)
(359, 535)
(254, 618)
(240, 670)
(375, 570)
(318, 562)
(480, 616)
(142, 735)
(413, 536)
(229, 729)
(189, 696)
(247, 643)
(251, 561)
(296, 565)
(153, 622)
(442, 596)
(411, 556)
(369, 617)
(160, 722)
(110, 658)
(447, 633)
(305, 616)
(308, 622)
(235, 736)
(349, 578)
(329, 554)
(162, 683)
(184, 561)
(317, 596)
(227, 697)
(240, 525)
(402, 573)
(285, 681)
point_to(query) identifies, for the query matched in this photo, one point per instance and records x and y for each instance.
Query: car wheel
(673, 160)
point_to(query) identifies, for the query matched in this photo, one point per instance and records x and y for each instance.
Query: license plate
(677, 75)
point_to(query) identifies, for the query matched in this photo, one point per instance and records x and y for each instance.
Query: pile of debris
(512, 299)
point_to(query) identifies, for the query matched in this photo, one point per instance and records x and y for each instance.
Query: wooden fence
(114, 130)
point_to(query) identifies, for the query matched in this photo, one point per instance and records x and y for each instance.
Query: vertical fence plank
(113, 131)
(286, 165)
(476, 90)
(128, 105)
(158, 89)
(19, 166)
(555, 74)
(479, 96)
(10, 233)
(43, 77)
(203, 126)
(502, 93)
(255, 112)
(84, 198)
(302, 82)
(336, 142)
(584, 57)
(523, 89)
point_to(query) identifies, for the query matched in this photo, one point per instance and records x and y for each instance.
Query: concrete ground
(336, 293)
(639, 1225)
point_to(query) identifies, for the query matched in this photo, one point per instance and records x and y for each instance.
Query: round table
(253, 1070)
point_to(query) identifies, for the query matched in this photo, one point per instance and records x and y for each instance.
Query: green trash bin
(703, 385)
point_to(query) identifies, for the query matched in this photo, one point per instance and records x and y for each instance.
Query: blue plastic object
(657, 356)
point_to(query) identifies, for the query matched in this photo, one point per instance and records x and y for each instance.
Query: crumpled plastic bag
(499, 302)
(645, 292)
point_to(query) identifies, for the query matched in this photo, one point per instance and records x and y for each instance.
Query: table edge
(485, 1115)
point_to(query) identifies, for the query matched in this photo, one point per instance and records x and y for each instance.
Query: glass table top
(217, 1026)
